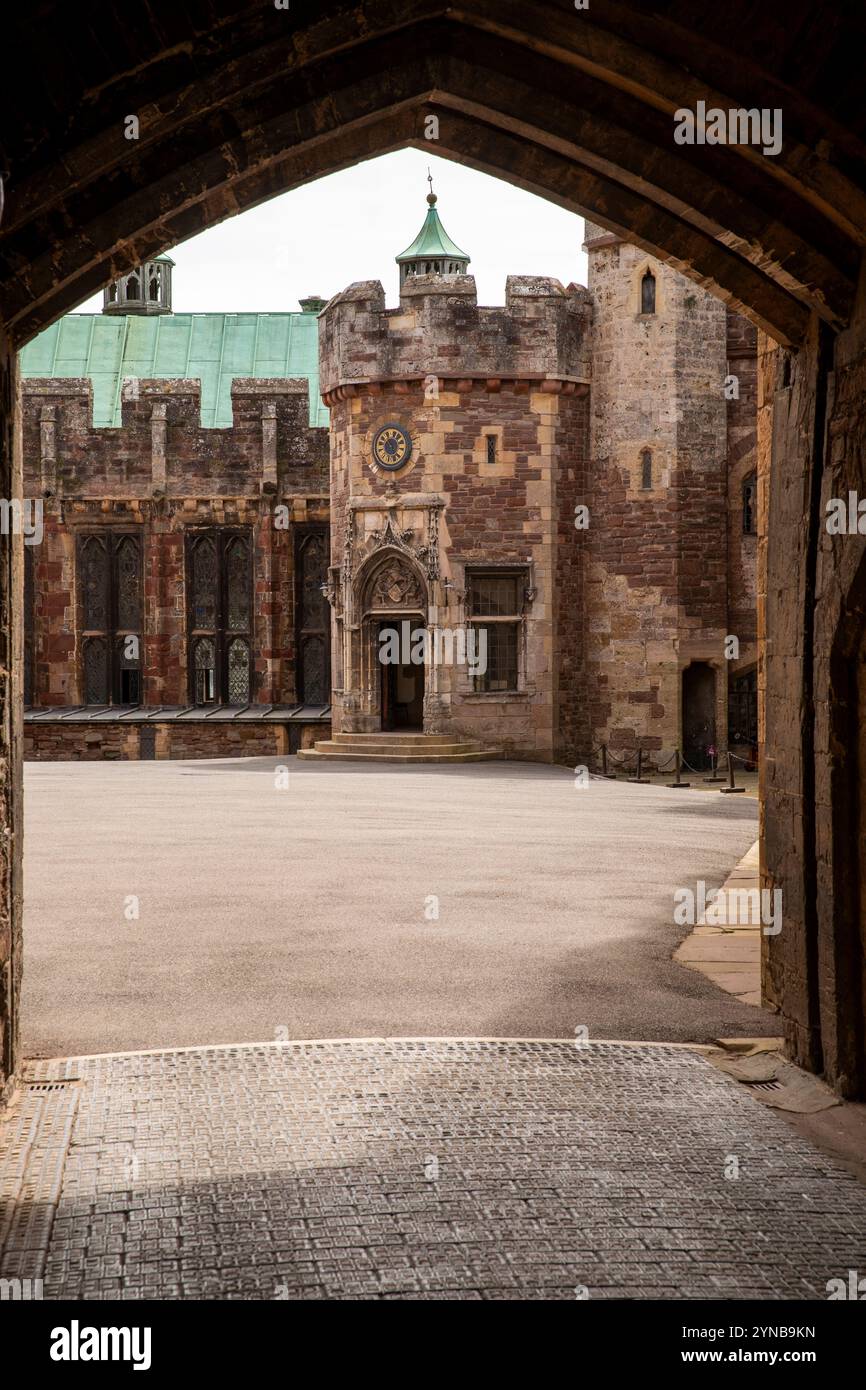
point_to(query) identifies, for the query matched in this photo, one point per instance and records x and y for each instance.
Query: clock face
(392, 447)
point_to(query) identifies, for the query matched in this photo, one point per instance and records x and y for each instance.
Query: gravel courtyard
(182, 903)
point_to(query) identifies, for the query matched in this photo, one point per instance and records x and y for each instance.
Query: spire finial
(431, 196)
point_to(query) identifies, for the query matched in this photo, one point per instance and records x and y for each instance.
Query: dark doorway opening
(743, 715)
(402, 683)
(699, 714)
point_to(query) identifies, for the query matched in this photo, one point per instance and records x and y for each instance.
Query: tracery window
(110, 616)
(312, 616)
(219, 616)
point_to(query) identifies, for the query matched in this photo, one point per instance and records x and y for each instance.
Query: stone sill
(500, 696)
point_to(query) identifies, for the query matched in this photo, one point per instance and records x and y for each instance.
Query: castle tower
(458, 447)
(657, 589)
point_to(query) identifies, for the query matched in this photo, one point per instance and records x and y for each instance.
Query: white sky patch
(349, 226)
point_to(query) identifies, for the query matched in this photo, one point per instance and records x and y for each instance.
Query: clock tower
(458, 437)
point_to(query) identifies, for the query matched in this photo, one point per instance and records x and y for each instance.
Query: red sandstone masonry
(94, 478)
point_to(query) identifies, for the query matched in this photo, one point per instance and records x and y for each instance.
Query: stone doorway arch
(390, 593)
(576, 109)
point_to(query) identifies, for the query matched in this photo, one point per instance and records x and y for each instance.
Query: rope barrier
(634, 761)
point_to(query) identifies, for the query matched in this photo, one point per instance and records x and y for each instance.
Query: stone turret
(144, 290)
(432, 252)
(458, 445)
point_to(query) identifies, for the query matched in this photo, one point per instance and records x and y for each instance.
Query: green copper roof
(432, 240)
(214, 348)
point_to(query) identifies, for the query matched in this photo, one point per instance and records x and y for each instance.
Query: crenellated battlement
(439, 330)
(162, 448)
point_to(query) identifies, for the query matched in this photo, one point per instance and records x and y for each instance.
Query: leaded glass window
(110, 616)
(204, 671)
(204, 581)
(128, 568)
(494, 595)
(239, 672)
(219, 616)
(94, 569)
(95, 671)
(312, 616)
(238, 584)
(496, 602)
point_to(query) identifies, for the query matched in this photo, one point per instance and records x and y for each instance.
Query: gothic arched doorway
(394, 621)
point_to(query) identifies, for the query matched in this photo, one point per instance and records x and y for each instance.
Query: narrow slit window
(646, 469)
(648, 293)
(750, 505)
(491, 448)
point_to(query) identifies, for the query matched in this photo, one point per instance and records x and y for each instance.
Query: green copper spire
(432, 252)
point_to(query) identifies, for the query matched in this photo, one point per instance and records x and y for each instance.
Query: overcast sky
(350, 226)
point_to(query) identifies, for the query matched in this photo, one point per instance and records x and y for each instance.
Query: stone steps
(409, 738)
(398, 748)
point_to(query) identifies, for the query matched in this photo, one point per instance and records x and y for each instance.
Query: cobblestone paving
(419, 1169)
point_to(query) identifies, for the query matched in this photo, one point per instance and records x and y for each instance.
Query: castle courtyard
(176, 903)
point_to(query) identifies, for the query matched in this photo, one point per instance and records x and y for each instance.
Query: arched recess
(389, 590)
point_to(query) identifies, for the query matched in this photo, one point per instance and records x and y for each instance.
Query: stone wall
(109, 741)
(813, 421)
(163, 473)
(657, 594)
(742, 462)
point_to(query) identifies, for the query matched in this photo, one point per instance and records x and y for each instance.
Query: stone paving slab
(729, 955)
(415, 1169)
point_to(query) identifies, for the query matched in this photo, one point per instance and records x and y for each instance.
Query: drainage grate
(773, 1085)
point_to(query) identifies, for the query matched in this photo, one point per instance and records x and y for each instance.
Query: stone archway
(577, 106)
(390, 594)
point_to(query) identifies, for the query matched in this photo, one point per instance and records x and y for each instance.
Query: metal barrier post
(639, 778)
(678, 781)
(730, 787)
